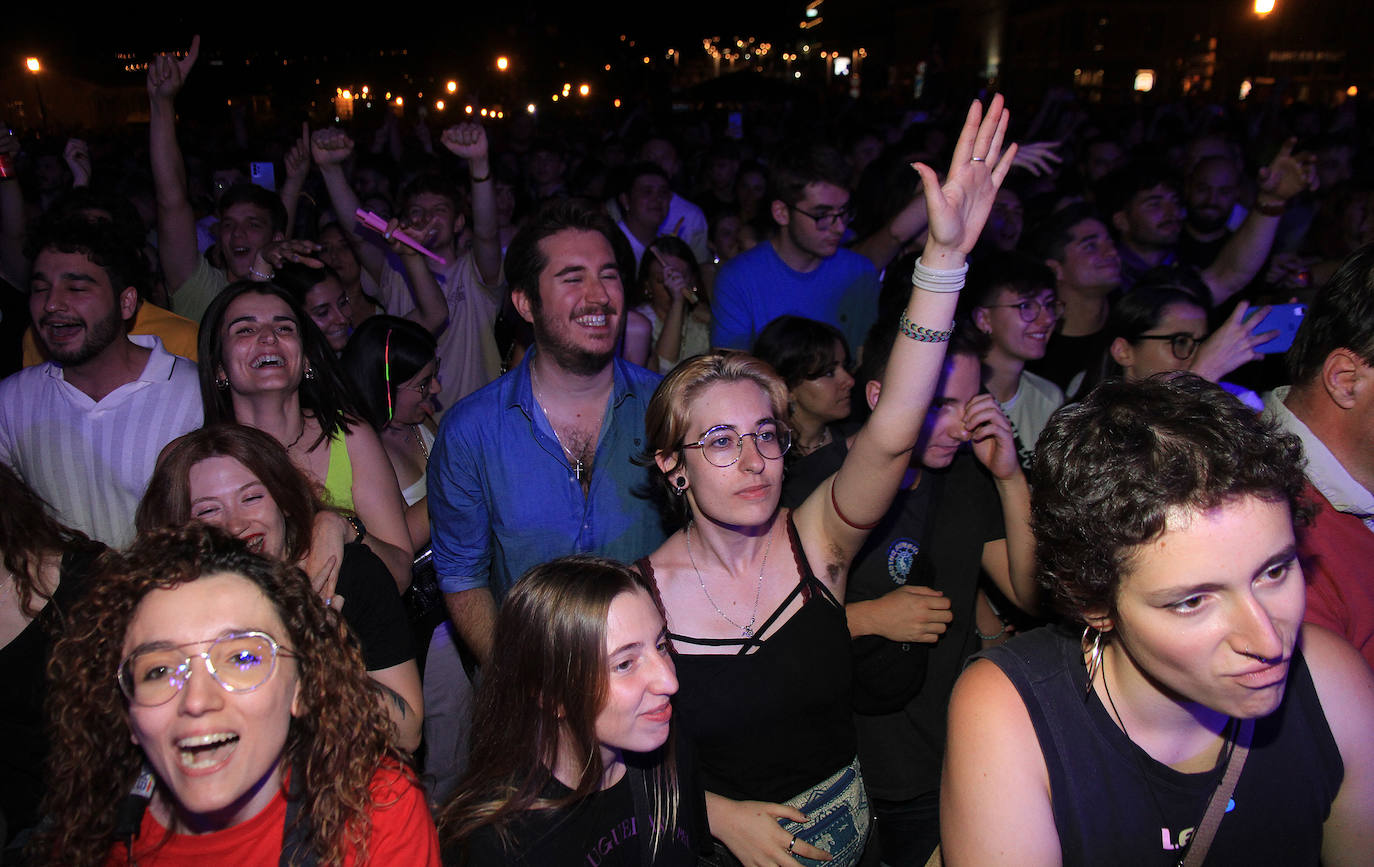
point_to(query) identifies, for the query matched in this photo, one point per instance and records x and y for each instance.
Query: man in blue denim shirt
(539, 463)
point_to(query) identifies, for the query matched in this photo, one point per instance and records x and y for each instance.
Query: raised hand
(959, 208)
(1288, 175)
(78, 157)
(1038, 157)
(330, 147)
(166, 74)
(1231, 345)
(298, 157)
(277, 253)
(467, 140)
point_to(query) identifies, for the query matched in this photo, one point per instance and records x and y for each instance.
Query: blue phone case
(1285, 319)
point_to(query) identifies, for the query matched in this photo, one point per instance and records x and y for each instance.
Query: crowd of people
(930, 486)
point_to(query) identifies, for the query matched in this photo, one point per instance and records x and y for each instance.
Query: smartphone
(264, 175)
(1283, 318)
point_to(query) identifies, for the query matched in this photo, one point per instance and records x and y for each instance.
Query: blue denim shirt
(503, 497)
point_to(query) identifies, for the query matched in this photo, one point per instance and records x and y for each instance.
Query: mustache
(51, 319)
(592, 309)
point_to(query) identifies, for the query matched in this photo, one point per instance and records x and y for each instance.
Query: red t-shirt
(402, 833)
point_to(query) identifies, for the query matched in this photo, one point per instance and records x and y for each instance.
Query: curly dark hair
(1109, 471)
(339, 742)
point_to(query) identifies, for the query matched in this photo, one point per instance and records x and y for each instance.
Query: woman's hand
(276, 253)
(959, 208)
(751, 831)
(1231, 345)
(328, 535)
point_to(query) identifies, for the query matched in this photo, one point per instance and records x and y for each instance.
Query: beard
(569, 356)
(99, 336)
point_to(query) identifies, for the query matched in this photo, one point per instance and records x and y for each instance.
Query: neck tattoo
(746, 629)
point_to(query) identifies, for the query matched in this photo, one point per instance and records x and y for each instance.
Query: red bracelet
(848, 523)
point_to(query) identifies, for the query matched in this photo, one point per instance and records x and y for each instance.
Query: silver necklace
(576, 462)
(746, 629)
(419, 440)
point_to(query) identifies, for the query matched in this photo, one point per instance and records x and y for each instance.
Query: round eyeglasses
(1029, 308)
(722, 445)
(239, 662)
(1182, 345)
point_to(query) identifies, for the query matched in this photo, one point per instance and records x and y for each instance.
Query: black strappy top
(769, 724)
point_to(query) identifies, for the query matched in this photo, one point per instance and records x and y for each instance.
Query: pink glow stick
(378, 225)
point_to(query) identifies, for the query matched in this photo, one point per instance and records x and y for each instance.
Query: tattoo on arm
(396, 698)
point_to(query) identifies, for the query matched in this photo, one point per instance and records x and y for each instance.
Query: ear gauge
(681, 482)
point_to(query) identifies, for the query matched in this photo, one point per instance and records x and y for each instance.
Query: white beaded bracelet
(942, 280)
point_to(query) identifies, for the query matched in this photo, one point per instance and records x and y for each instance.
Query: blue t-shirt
(503, 497)
(756, 287)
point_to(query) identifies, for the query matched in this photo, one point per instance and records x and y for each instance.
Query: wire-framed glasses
(239, 662)
(722, 445)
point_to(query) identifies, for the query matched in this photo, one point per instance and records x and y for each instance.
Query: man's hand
(467, 140)
(298, 157)
(1038, 158)
(910, 613)
(274, 254)
(330, 147)
(1287, 175)
(78, 157)
(166, 74)
(994, 444)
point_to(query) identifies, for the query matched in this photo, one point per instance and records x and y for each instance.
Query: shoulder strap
(1216, 807)
(295, 844)
(644, 828)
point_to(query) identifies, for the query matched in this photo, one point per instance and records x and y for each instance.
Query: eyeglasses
(1029, 308)
(240, 662)
(1182, 345)
(429, 382)
(827, 219)
(722, 445)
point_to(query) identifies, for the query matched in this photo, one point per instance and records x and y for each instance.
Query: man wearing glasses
(802, 270)
(1012, 302)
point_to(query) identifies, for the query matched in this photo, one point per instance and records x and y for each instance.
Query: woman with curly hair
(1186, 711)
(241, 480)
(207, 708)
(572, 743)
(43, 568)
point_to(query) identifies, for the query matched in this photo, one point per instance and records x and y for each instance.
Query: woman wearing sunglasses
(210, 709)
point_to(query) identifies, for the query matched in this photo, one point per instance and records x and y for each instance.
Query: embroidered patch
(900, 558)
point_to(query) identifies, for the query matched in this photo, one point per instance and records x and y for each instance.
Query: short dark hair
(1341, 317)
(299, 279)
(380, 344)
(429, 182)
(1052, 236)
(525, 260)
(1109, 470)
(109, 247)
(253, 194)
(635, 171)
(992, 272)
(1133, 314)
(1117, 189)
(802, 166)
(799, 348)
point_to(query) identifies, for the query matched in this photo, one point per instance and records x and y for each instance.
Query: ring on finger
(792, 843)
(978, 159)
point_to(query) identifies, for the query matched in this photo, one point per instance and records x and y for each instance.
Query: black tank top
(1103, 809)
(771, 722)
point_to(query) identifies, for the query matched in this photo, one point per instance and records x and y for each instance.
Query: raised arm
(176, 222)
(297, 163)
(1243, 255)
(864, 486)
(329, 148)
(469, 141)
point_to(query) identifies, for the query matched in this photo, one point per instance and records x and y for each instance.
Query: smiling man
(84, 429)
(801, 270)
(539, 464)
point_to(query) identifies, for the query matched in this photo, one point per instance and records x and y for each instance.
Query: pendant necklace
(576, 462)
(746, 629)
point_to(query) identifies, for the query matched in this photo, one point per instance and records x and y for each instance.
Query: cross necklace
(578, 468)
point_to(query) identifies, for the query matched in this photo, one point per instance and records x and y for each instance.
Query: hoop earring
(1094, 656)
(222, 383)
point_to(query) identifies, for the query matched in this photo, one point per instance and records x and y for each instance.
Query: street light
(584, 90)
(503, 63)
(32, 64)
(1264, 7)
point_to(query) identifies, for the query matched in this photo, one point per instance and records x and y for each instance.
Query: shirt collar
(1323, 469)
